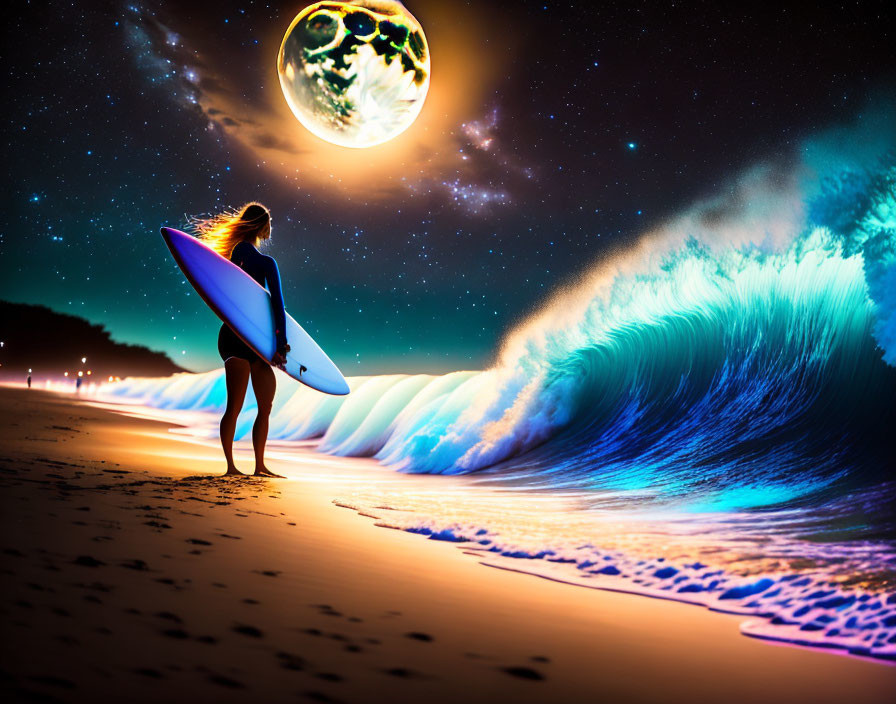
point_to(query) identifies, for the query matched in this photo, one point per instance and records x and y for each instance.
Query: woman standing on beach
(236, 236)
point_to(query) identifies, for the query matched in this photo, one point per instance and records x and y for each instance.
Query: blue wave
(740, 355)
(738, 362)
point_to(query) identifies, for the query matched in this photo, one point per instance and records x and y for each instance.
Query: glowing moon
(355, 73)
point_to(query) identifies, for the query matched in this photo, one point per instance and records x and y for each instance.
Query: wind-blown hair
(226, 230)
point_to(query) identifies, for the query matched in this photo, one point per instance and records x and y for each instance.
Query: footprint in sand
(246, 630)
(416, 635)
(320, 697)
(403, 673)
(327, 610)
(176, 633)
(226, 682)
(157, 524)
(87, 561)
(522, 672)
(135, 564)
(288, 661)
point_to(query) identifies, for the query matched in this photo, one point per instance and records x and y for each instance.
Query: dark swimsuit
(264, 270)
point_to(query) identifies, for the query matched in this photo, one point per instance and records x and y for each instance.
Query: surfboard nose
(329, 380)
(168, 234)
(340, 388)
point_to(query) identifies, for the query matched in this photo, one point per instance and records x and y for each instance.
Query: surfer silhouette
(236, 235)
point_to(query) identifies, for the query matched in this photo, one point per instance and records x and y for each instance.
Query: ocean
(709, 415)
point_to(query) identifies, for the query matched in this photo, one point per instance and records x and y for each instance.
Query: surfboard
(244, 305)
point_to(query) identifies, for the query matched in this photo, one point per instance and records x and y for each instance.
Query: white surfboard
(244, 305)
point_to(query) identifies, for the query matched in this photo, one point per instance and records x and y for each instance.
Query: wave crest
(736, 356)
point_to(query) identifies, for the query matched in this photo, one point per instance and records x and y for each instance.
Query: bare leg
(236, 372)
(264, 384)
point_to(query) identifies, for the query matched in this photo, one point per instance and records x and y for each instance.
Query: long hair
(226, 230)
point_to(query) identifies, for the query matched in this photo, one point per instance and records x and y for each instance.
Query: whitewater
(729, 380)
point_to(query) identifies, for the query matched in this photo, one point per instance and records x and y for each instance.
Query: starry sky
(553, 135)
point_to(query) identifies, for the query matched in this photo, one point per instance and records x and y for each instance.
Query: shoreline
(446, 628)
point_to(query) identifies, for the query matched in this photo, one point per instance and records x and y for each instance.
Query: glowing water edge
(709, 417)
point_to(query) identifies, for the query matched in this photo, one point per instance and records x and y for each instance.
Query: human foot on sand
(233, 471)
(265, 472)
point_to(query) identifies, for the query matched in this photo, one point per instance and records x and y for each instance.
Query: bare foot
(233, 472)
(265, 472)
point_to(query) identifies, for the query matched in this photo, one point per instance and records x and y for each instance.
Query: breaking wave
(740, 355)
(734, 373)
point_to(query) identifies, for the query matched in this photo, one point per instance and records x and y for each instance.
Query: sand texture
(130, 574)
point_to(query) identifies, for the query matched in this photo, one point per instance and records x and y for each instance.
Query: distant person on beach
(29, 381)
(78, 384)
(235, 235)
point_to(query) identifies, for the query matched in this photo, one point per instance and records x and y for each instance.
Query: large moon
(355, 73)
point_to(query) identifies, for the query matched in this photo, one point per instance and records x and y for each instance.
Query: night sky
(553, 134)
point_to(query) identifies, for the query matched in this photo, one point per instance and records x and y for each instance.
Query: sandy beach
(131, 573)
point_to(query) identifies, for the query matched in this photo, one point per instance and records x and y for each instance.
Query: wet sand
(130, 574)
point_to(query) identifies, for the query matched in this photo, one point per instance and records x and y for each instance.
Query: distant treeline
(52, 343)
